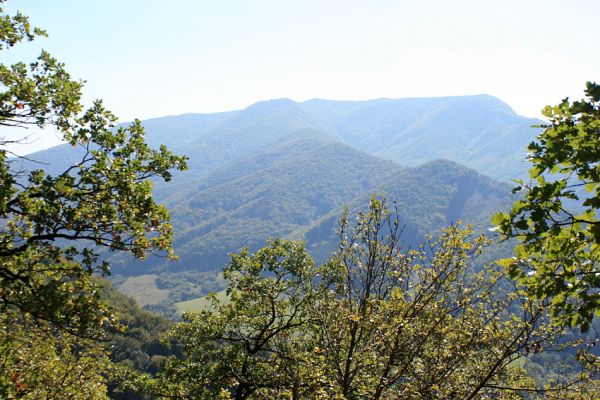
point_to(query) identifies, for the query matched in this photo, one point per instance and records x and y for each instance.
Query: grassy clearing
(143, 289)
(198, 304)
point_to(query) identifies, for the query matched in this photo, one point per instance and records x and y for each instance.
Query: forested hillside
(427, 198)
(285, 169)
(480, 132)
(301, 196)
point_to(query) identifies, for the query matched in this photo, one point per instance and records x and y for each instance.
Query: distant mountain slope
(177, 131)
(296, 143)
(428, 197)
(302, 196)
(480, 131)
(279, 190)
(281, 168)
(246, 131)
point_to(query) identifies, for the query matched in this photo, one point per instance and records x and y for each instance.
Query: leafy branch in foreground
(54, 226)
(41, 364)
(556, 217)
(375, 322)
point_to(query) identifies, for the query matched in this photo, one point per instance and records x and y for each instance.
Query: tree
(43, 365)
(375, 322)
(555, 218)
(54, 227)
(104, 199)
(264, 316)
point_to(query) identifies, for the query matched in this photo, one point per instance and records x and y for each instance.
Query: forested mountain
(226, 136)
(298, 189)
(428, 197)
(227, 212)
(285, 169)
(480, 132)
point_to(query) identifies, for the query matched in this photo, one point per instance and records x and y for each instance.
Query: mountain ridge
(479, 131)
(285, 169)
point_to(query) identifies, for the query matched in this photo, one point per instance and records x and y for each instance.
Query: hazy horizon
(148, 59)
(32, 146)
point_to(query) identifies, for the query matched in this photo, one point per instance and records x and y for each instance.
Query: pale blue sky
(149, 58)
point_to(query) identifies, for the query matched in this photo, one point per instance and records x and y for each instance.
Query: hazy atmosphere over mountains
(285, 169)
(480, 132)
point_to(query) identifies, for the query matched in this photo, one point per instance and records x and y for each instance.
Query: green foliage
(103, 200)
(137, 348)
(40, 363)
(53, 227)
(375, 322)
(556, 218)
(428, 198)
(39, 93)
(277, 310)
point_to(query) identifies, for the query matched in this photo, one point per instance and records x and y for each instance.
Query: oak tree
(54, 227)
(375, 322)
(555, 218)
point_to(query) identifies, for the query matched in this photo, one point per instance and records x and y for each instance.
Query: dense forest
(314, 250)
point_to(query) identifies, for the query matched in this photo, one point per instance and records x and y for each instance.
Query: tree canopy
(555, 217)
(374, 322)
(55, 226)
(102, 201)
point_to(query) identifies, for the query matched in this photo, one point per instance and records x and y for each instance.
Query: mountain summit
(479, 131)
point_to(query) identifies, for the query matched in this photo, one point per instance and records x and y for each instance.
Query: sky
(150, 58)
